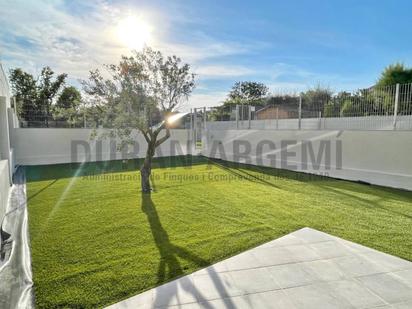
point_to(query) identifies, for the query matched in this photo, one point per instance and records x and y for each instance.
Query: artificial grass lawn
(95, 240)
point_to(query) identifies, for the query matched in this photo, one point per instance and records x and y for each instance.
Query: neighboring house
(280, 111)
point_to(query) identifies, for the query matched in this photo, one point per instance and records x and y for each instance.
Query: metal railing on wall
(375, 108)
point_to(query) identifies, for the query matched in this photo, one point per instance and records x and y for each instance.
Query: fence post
(277, 118)
(204, 118)
(242, 116)
(84, 120)
(195, 126)
(237, 116)
(300, 112)
(395, 111)
(191, 120)
(249, 116)
(320, 120)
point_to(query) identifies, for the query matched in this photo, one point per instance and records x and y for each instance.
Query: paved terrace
(304, 269)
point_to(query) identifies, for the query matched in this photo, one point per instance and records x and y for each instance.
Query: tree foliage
(316, 98)
(396, 73)
(35, 96)
(70, 97)
(68, 107)
(142, 90)
(247, 92)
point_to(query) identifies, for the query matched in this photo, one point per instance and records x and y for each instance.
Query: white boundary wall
(53, 146)
(5, 151)
(4, 187)
(377, 157)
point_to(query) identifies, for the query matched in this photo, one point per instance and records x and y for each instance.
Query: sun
(133, 32)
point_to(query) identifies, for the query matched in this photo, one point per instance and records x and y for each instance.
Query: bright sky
(289, 45)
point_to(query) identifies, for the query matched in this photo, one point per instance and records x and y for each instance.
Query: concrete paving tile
(325, 270)
(215, 286)
(302, 253)
(329, 249)
(403, 305)
(284, 255)
(405, 276)
(291, 275)
(183, 306)
(253, 280)
(309, 235)
(356, 294)
(238, 302)
(270, 300)
(390, 262)
(242, 261)
(352, 246)
(180, 291)
(355, 266)
(215, 268)
(316, 296)
(273, 256)
(387, 286)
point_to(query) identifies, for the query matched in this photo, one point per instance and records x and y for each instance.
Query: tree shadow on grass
(270, 172)
(170, 267)
(363, 202)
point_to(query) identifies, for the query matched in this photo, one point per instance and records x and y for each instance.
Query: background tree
(68, 109)
(141, 87)
(35, 97)
(25, 91)
(316, 98)
(70, 97)
(252, 93)
(396, 73)
(47, 90)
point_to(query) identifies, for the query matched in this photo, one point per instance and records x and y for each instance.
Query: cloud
(44, 32)
(222, 71)
(200, 100)
(77, 36)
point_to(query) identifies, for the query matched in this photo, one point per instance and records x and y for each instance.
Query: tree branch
(146, 137)
(164, 138)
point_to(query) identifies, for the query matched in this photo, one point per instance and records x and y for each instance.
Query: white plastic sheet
(15, 260)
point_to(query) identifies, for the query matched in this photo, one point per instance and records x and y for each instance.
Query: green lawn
(95, 240)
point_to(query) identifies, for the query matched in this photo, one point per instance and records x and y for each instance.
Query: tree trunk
(146, 169)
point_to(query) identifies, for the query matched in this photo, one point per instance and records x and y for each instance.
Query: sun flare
(133, 32)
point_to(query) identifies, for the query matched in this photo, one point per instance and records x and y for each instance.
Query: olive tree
(140, 92)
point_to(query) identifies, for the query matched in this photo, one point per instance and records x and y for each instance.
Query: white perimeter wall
(52, 146)
(4, 187)
(377, 157)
